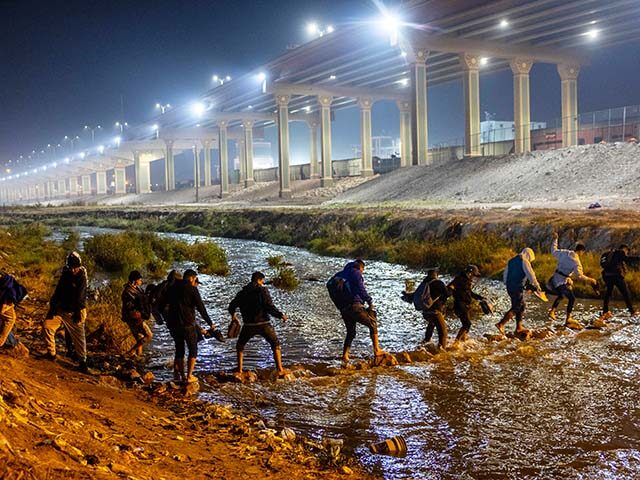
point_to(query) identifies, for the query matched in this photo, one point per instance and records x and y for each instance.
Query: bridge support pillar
(120, 180)
(283, 145)
(326, 180)
(365, 104)
(101, 182)
(419, 124)
(569, 82)
(521, 103)
(471, 90)
(248, 151)
(224, 159)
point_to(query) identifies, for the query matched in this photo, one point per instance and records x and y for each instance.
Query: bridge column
(314, 168)
(62, 187)
(248, 151)
(419, 124)
(197, 173)
(569, 82)
(86, 185)
(169, 167)
(283, 145)
(101, 182)
(521, 103)
(405, 133)
(120, 180)
(142, 172)
(224, 159)
(471, 89)
(206, 146)
(73, 185)
(365, 104)
(242, 161)
(326, 180)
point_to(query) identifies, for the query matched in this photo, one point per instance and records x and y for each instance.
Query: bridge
(397, 58)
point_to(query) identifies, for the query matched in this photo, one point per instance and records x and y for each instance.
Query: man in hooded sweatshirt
(561, 283)
(135, 310)
(516, 275)
(354, 312)
(256, 308)
(68, 307)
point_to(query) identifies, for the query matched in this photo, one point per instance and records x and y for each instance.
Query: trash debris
(594, 205)
(394, 446)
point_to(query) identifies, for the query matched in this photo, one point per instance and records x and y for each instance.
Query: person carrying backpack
(518, 272)
(135, 310)
(463, 296)
(347, 291)
(11, 294)
(614, 268)
(433, 294)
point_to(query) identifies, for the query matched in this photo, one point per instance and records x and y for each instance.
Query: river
(560, 407)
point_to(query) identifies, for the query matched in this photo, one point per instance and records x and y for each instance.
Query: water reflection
(562, 407)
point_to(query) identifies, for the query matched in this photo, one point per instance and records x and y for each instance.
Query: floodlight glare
(101, 149)
(198, 109)
(484, 61)
(262, 76)
(215, 78)
(227, 78)
(312, 28)
(330, 29)
(593, 33)
(117, 140)
(504, 23)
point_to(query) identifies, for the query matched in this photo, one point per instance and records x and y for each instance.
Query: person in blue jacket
(355, 312)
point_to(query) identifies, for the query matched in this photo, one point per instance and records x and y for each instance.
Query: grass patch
(285, 277)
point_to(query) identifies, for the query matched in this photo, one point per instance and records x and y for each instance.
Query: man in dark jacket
(434, 315)
(183, 299)
(613, 272)
(355, 312)
(68, 307)
(135, 310)
(256, 307)
(463, 296)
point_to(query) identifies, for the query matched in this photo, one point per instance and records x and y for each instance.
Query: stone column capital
(520, 65)
(568, 72)
(325, 100)
(206, 143)
(169, 143)
(282, 100)
(404, 105)
(365, 103)
(419, 56)
(222, 124)
(469, 61)
(247, 124)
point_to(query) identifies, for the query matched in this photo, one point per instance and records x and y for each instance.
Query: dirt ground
(56, 423)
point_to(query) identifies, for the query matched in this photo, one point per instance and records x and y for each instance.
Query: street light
(121, 126)
(198, 109)
(156, 128)
(313, 30)
(93, 131)
(221, 80)
(163, 107)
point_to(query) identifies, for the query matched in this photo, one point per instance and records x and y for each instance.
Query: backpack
(422, 299)
(339, 292)
(10, 290)
(605, 259)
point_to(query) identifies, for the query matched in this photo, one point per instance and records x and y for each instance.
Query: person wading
(561, 283)
(434, 309)
(256, 307)
(614, 268)
(68, 307)
(352, 308)
(183, 300)
(135, 310)
(463, 296)
(518, 272)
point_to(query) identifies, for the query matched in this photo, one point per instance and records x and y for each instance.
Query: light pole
(221, 80)
(196, 164)
(163, 107)
(93, 131)
(121, 126)
(156, 129)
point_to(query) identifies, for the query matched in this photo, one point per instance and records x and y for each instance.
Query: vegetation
(285, 277)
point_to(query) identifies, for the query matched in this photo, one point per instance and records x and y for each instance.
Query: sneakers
(552, 314)
(599, 323)
(573, 324)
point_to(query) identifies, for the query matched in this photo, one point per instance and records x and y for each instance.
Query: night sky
(67, 64)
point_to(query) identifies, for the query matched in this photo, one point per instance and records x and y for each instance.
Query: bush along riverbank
(415, 238)
(57, 423)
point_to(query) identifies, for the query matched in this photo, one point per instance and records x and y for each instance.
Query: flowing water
(561, 407)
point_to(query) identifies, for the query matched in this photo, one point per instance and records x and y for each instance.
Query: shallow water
(561, 407)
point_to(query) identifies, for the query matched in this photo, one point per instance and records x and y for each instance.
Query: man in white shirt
(561, 283)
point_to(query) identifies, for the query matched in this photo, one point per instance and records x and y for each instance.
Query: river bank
(413, 237)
